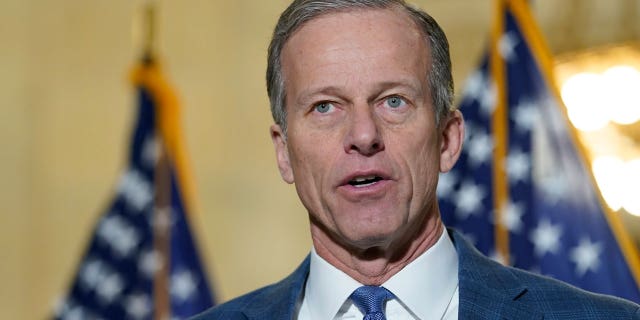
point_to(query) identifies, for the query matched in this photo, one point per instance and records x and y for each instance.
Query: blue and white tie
(370, 300)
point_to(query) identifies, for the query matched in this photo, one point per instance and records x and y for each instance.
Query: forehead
(362, 19)
(378, 40)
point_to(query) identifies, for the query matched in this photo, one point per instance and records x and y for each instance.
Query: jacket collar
(281, 298)
(488, 289)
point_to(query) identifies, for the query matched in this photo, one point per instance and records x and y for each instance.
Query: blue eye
(395, 102)
(323, 107)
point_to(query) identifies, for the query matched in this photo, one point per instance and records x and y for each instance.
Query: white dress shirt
(427, 288)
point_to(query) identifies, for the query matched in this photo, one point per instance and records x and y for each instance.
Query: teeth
(361, 179)
(364, 184)
(364, 181)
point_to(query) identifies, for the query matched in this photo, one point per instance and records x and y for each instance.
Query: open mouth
(360, 182)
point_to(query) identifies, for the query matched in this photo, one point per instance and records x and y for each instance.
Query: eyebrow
(307, 96)
(411, 86)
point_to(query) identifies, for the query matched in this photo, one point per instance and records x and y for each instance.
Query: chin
(372, 239)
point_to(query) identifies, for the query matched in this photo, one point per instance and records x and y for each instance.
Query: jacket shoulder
(276, 301)
(490, 289)
(560, 299)
(235, 309)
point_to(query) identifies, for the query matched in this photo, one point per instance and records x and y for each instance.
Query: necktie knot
(370, 300)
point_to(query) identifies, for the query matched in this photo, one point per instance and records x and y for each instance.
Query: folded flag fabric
(522, 190)
(142, 261)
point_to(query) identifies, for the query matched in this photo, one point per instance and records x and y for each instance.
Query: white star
(507, 45)
(62, 307)
(475, 85)
(446, 181)
(118, 234)
(150, 262)
(91, 273)
(512, 217)
(470, 129)
(480, 148)
(518, 166)
(183, 284)
(525, 115)
(126, 242)
(74, 313)
(150, 152)
(136, 190)
(546, 238)
(110, 288)
(138, 306)
(468, 199)
(554, 187)
(586, 256)
(488, 99)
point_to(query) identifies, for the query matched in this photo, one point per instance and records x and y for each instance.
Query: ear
(452, 138)
(282, 153)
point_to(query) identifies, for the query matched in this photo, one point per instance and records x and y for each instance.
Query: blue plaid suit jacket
(487, 290)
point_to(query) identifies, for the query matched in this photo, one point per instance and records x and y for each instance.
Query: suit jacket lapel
(283, 297)
(486, 289)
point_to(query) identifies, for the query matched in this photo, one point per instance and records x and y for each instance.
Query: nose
(363, 136)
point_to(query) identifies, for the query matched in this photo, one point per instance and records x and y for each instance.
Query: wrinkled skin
(362, 144)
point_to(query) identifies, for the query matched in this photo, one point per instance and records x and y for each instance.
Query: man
(361, 93)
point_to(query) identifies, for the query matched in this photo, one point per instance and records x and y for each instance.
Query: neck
(374, 266)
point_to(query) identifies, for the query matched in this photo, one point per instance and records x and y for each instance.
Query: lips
(363, 186)
(364, 179)
(361, 182)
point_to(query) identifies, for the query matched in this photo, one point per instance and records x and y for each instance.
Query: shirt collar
(327, 288)
(425, 286)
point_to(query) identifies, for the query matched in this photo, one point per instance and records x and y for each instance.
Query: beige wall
(66, 109)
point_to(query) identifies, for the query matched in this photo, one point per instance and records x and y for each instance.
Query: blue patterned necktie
(370, 300)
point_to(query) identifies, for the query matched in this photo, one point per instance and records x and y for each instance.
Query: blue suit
(487, 290)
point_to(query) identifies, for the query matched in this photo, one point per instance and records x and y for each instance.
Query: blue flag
(142, 261)
(522, 190)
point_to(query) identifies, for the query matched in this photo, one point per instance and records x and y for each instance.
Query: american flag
(142, 261)
(550, 212)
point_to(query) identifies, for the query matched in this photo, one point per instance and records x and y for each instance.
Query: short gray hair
(302, 11)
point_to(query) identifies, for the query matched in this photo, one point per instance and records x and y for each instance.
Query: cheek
(310, 159)
(418, 140)
(423, 170)
(301, 163)
(312, 164)
(422, 161)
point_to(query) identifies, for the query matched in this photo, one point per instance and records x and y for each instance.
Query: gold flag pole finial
(149, 32)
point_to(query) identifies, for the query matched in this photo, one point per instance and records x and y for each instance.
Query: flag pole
(162, 217)
(500, 127)
(150, 190)
(162, 177)
(149, 33)
(541, 52)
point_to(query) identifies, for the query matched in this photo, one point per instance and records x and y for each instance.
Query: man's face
(362, 145)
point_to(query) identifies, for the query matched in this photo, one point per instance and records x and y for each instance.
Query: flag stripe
(541, 54)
